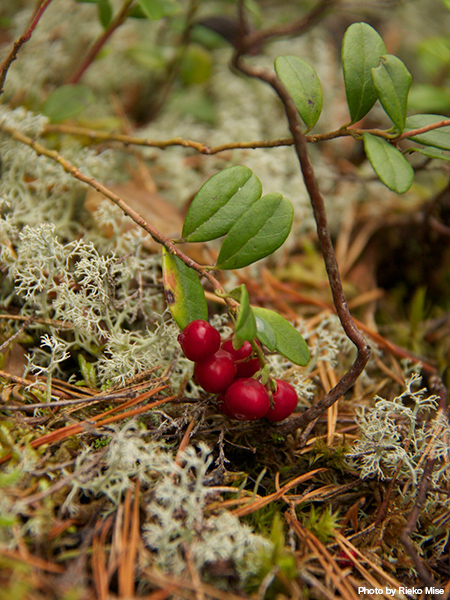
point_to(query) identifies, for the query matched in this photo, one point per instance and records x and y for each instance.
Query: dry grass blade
(260, 502)
(130, 543)
(33, 561)
(76, 428)
(352, 552)
(99, 571)
(329, 565)
(187, 588)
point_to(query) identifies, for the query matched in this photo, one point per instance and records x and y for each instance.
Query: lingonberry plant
(230, 205)
(105, 299)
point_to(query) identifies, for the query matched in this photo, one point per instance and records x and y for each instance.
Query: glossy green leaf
(259, 232)
(105, 13)
(388, 163)
(289, 342)
(157, 9)
(362, 48)
(392, 81)
(303, 84)
(67, 101)
(184, 293)
(219, 204)
(440, 138)
(431, 153)
(245, 327)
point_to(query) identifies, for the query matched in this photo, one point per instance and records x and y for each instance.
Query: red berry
(243, 352)
(199, 340)
(248, 368)
(344, 559)
(223, 408)
(245, 368)
(216, 373)
(284, 401)
(247, 400)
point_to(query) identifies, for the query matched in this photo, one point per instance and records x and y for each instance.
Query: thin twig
(424, 129)
(136, 217)
(412, 521)
(26, 35)
(254, 40)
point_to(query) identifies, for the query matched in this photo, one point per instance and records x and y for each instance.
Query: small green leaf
(105, 13)
(67, 101)
(259, 232)
(88, 371)
(303, 84)
(147, 56)
(196, 65)
(388, 163)
(424, 96)
(245, 328)
(219, 203)
(392, 81)
(289, 342)
(184, 293)
(430, 152)
(362, 48)
(440, 138)
(157, 9)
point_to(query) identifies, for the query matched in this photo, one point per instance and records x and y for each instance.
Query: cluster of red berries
(222, 369)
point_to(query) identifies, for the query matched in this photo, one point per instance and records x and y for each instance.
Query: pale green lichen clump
(398, 436)
(176, 495)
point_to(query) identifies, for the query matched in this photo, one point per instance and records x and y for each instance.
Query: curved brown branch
(318, 206)
(255, 39)
(75, 172)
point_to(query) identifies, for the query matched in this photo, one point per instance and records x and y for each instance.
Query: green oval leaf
(219, 203)
(289, 342)
(392, 80)
(157, 9)
(362, 48)
(259, 232)
(388, 163)
(431, 153)
(184, 293)
(303, 84)
(196, 65)
(105, 13)
(245, 328)
(439, 138)
(67, 101)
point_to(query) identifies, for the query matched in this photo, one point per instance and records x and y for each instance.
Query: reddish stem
(26, 35)
(424, 129)
(100, 42)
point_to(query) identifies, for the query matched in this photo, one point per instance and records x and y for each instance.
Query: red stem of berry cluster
(26, 35)
(318, 206)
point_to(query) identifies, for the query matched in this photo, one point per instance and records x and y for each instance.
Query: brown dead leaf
(157, 211)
